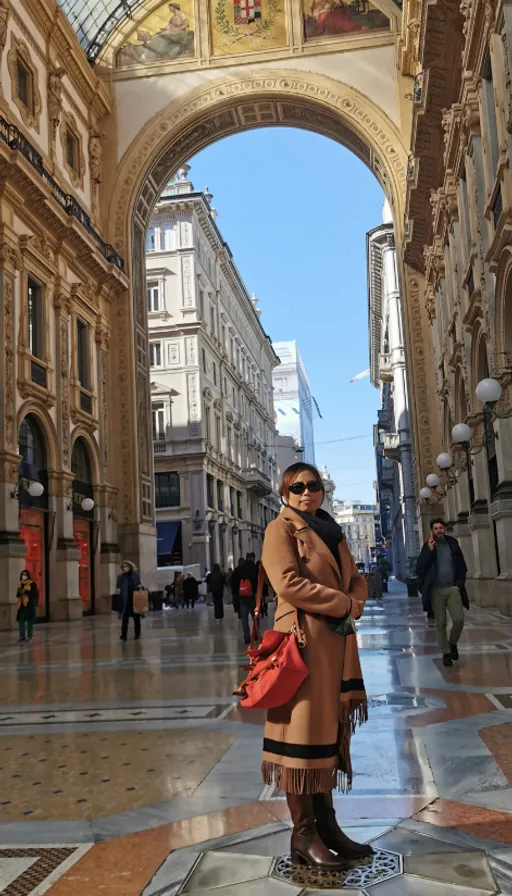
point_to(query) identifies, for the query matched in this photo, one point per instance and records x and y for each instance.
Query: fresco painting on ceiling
(241, 26)
(331, 18)
(166, 33)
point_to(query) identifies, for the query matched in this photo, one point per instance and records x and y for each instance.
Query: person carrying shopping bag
(27, 595)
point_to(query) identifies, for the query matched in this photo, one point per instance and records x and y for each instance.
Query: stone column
(501, 513)
(107, 554)
(482, 536)
(66, 604)
(12, 547)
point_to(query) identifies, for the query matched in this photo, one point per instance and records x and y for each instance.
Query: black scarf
(326, 528)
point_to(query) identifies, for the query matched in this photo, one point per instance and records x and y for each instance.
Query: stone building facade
(211, 389)
(459, 204)
(396, 485)
(357, 520)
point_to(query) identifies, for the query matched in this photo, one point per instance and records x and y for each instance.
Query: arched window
(31, 444)
(507, 322)
(80, 462)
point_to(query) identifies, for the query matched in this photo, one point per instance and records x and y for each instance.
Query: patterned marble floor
(128, 769)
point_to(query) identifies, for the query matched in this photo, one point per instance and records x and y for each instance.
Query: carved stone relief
(190, 350)
(186, 273)
(193, 404)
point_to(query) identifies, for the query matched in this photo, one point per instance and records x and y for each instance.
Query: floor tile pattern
(29, 872)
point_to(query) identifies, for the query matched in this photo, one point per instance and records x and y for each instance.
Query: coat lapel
(312, 540)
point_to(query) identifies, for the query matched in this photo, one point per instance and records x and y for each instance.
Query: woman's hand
(357, 608)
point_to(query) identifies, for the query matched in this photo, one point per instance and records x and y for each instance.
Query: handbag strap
(255, 635)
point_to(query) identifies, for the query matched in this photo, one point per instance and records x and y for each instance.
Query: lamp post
(489, 392)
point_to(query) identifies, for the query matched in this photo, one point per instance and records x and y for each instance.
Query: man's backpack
(245, 589)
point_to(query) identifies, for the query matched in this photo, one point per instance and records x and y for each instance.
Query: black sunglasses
(298, 488)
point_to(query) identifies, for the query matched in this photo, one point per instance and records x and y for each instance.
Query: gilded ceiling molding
(218, 109)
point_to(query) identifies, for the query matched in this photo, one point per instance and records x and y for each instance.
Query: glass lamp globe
(87, 505)
(461, 432)
(426, 493)
(433, 480)
(488, 390)
(444, 460)
(36, 489)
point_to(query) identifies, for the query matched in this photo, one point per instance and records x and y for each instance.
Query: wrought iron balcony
(85, 402)
(39, 374)
(162, 447)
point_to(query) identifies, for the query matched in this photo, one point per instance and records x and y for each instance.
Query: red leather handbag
(276, 669)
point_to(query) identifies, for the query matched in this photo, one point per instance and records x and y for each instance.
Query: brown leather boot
(331, 833)
(307, 847)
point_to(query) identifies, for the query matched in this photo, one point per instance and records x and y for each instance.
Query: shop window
(35, 318)
(82, 351)
(167, 490)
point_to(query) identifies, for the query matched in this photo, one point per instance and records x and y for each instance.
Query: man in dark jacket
(441, 572)
(243, 581)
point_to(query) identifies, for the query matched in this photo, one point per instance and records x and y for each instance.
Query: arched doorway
(33, 504)
(84, 530)
(207, 114)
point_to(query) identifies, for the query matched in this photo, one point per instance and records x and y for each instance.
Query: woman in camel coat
(306, 749)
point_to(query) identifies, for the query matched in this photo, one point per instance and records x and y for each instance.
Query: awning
(165, 537)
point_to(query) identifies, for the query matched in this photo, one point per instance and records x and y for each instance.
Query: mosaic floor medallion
(364, 873)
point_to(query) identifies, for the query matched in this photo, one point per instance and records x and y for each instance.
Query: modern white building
(357, 519)
(393, 441)
(293, 401)
(211, 383)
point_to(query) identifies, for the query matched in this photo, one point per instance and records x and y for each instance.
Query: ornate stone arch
(48, 430)
(479, 356)
(229, 105)
(81, 432)
(503, 309)
(460, 403)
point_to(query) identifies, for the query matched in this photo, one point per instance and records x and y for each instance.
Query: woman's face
(308, 501)
(24, 577)
(125, 568)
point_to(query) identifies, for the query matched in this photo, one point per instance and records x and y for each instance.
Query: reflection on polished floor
(129, 769)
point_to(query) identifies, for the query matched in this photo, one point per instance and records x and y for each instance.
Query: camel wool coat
(307, 741)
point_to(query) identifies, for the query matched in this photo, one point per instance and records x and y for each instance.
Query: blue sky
(295, 209)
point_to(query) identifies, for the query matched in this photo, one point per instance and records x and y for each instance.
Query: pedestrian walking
(190, 590)
(441, 571)
(306, 749)
(178, 590)
(243, 588)
(127, 583)
(27, 597)
(215, 582)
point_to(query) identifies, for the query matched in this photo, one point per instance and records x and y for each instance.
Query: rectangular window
(151, 240)
(201, 303)
(230, 442)
(232, 501)
(207, 423)
(489, 104)
(203, 354)
(35, 318)
(72, 150)
(209, 490)
(168, 238)
(24, 84)
(223, 335)
(167, 490)
(214, 373)
(220, 495)
(239, 505)
(155, 354)
(82, 351)
(158, 422)
(218, 433)
(212, 320)
(153, 293)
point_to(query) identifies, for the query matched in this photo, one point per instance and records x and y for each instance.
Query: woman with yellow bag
(27, 595)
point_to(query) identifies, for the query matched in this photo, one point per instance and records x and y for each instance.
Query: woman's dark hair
(216, 567)
(291, 474)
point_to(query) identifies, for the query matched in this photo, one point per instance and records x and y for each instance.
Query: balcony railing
(85, 402)
(39, 374)
(162, 446)
(257, 482)
(16, 141)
